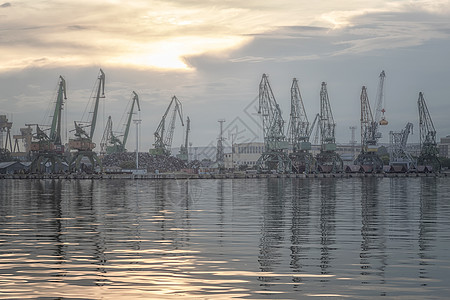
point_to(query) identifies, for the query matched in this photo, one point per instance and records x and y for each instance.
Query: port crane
(48, 148)
(5, 126)
(429, 152)
(328, 160)
(274, 157)
(299, 133)
(369, 137)
(184, 153)
(398, 155)
(82, 145)
(163, 137)
(220, 155)
(110, 143)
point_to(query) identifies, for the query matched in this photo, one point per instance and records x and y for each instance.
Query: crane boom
(163, 139)
(298, 127)
(177, 110)
(135, 100)
(428, 145)
(273, 124)
(405, 134)
(398, 154)
(426, 126)
(327, 129)
(55, 130)
(100, 94)
(379, 113)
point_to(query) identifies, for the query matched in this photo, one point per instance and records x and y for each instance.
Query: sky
(212, 54)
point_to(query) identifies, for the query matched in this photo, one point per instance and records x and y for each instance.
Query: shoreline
(168, 176)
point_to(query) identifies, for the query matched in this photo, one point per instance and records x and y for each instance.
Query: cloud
(142, 34)
(219, 49)
(6, 4)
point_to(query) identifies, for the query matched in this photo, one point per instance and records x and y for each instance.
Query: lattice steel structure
(429, 152)
(163, 136)
(369, 137)
(327, 160)
(299, 133)
(398, 153)
(274, 157)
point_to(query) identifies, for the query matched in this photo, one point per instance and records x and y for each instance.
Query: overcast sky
(211, 54)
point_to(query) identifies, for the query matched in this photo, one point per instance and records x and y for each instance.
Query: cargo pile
(153, 163)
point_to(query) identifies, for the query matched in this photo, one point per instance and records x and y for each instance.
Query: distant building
(444, 146)
(249, 153)
(243, 154)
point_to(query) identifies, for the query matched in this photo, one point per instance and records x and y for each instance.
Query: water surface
(357, 238)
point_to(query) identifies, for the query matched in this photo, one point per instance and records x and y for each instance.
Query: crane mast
(273, 157)
(299, 133)
(429, 152)
(163, 138)
(328, 160)
(184, 153)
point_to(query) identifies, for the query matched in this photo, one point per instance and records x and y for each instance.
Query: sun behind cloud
(172, 53)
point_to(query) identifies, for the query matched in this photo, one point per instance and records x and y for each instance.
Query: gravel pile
(146, 160)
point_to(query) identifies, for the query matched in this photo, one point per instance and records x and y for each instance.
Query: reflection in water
(427, 226)
(272, 229)
(272, 238)
(327, 224)
(301, 193)
(373, 233)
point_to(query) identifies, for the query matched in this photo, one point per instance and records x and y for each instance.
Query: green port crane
(299, 132)
(48, 148)
(112, 143)
(274, 157)
(369, 137)
(82, 145)
(163, 137)
(328, 160)
(429, 152)
(398, 154)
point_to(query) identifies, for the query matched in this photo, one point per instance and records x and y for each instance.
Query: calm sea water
(357, 238)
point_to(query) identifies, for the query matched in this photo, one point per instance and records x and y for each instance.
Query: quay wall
(167, 176)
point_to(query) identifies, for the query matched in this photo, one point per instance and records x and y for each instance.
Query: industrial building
(444, 146)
